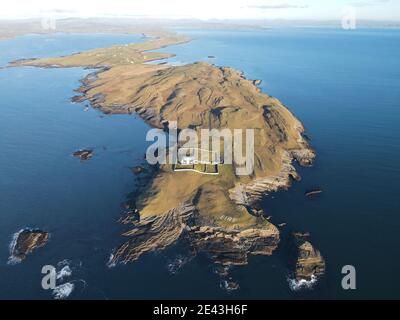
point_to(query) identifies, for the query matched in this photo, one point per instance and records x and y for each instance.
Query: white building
(188, 160)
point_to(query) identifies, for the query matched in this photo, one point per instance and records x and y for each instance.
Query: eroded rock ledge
(183, 223)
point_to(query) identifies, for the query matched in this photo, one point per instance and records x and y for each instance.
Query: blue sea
(343, 85)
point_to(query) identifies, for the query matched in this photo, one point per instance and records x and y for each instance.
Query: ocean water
(343, 85)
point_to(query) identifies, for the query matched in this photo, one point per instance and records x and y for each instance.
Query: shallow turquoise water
(344, 86)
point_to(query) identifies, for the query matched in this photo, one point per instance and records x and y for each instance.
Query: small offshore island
(25, 242)
(217, 215)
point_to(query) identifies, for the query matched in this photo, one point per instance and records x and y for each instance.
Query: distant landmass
(150, 26)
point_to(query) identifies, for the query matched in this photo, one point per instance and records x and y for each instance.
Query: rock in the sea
(84, 154)
(221, 270)
(308, 262)
(137, 170)
(313, 192)
(175, 265)
(25, 242)
(229, 286)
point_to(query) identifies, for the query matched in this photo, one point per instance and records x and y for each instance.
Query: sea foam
(297, 285)
(64, 273)
(111, 263)
(12, 260)
(63, 291)
(66, 269)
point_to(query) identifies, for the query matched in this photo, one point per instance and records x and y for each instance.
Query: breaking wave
(63, 291)
(65, 270)
(111, 263)
(64, 273)
(229, 286)
(12, 260)
(297, 285)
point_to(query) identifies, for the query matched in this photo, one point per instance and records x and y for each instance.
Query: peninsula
(215, 214)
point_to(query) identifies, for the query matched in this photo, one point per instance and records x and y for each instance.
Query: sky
(204, 9)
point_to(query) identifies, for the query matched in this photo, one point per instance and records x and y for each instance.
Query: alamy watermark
(50, 277)
(189, 148)
(48, 23)
(349, 279)
(349, 18)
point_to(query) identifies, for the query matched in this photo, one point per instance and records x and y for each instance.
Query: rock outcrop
(308, 261)
(138, 170)
(312, 193)
(25, 242)
(84, 154)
